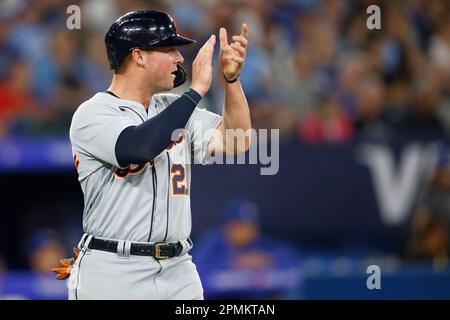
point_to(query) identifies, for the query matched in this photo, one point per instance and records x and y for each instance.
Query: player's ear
(138, 57)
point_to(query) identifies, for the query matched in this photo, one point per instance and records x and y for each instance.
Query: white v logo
(395, 188)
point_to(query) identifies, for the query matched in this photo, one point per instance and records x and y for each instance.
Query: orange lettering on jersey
(132, 169)
(178, 141)
(179, 184)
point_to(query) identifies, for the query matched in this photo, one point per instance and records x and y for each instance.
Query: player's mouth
(174, 73)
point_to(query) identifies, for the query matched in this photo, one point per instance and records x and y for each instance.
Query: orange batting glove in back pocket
(64, 272)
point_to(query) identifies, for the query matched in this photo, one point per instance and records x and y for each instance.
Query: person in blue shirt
(237, 260)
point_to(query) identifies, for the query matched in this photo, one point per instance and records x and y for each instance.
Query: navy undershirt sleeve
(139, 144)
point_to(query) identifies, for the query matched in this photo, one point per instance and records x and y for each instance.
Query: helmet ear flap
(180, 76)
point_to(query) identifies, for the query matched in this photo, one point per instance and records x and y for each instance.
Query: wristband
(231, 81)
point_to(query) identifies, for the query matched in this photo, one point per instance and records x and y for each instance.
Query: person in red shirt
(16, 98)
(328, 124)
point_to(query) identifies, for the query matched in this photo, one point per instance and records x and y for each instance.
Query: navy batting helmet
(145, 29)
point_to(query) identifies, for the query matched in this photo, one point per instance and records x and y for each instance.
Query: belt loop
(127, 249)
(187, 245)
(121, 248)
(88, 241)
(81, 243)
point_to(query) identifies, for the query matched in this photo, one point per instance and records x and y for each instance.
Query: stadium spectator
(7, 53)
(16, 98)
(430, 226)
(239, 245)
(44, 249)
(370, 108)
(328, 124)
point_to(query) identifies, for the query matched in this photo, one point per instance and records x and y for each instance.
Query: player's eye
(168, 49)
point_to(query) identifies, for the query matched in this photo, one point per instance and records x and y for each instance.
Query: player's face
(161, 64)
(241, 233)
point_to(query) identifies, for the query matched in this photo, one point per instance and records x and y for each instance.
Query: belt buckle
(158, 251)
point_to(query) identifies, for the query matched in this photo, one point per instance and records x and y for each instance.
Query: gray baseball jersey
(141, 203)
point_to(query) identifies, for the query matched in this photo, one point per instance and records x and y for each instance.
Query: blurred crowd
(313, 68)
(430, 223)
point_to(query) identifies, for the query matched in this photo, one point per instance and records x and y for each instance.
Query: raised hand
(232, 56)
(202, 67)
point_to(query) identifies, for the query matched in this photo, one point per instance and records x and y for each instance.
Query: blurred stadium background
(364, 117)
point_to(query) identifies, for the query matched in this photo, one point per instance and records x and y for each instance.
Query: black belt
(160, 251)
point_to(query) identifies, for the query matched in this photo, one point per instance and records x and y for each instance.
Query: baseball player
(135, 178)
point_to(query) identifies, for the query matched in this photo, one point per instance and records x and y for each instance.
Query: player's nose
(179, 57)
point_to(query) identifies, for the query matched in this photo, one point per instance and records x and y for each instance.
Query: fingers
(64, 272)
(244, 31)
(206, 52)
(237, 46)
(237, 59)
(208, 47)
(243, 41)
(211, 43)
(202, 67)
(242, 38)
(64, 262)
(223, 36)
(62, 276)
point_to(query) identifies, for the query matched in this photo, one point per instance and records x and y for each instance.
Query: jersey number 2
(179, 186)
